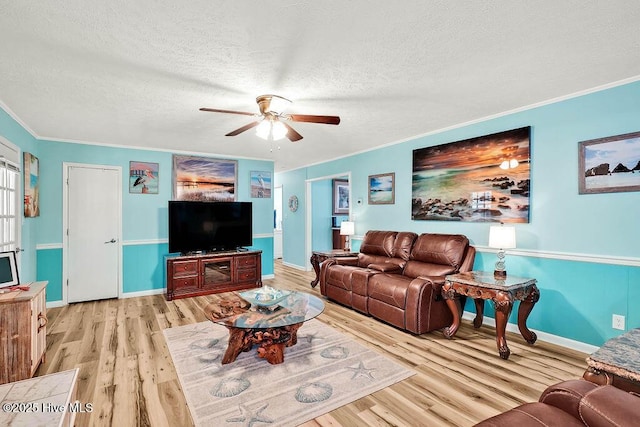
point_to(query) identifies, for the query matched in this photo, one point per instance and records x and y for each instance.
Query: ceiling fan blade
(243, 128)
(292, 134)
(329, 120)
(215, 110)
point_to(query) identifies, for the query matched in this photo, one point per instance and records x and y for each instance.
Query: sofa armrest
(436, 280)
(346, 260)
(567, 395)
(322, 277)
(610, 406)
(385, 268)
(596, 405)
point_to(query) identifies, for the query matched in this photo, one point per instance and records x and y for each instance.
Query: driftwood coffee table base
(271, 342)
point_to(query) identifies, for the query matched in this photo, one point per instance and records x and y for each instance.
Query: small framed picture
(143, 177)
(340, 197)
(260, 185)
(382, 189)
(609, 165)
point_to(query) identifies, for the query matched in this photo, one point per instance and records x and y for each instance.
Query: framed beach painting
(382, 189)
(340, 197)
(143, 177)
(260, 184)
(204, 179)
(609, 165)
(31, 185)
(482, 179)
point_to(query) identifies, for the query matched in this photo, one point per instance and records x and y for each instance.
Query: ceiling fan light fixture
(278, 130)
(264, 129)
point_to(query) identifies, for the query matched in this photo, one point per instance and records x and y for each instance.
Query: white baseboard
(542, 336)
(55, 304)
(297, 267)
(268, 276)
(143, 293)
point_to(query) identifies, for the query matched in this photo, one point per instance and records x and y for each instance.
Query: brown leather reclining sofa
(397, 277)
(574, 403)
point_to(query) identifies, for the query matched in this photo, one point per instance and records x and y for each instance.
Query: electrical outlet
(618, 322)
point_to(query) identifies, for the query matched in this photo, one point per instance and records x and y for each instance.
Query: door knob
(111, 241)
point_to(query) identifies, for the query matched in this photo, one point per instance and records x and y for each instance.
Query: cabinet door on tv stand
(217, 272)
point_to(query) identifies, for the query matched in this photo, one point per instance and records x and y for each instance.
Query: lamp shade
(502, 237)
(347, 228)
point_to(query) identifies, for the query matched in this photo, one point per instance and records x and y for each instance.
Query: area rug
(323, 371)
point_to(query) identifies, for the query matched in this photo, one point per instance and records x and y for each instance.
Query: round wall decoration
(293, 203)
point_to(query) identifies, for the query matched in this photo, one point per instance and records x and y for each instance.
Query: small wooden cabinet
(23, 331)
(339, 241)
(193, 275)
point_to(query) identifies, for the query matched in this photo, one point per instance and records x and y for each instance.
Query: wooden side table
(318, 256)
(483, 286)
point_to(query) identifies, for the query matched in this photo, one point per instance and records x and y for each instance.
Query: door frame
(65, 221)
(309, 213)
(12, 153)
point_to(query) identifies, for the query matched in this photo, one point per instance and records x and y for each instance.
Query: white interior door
(93, 232)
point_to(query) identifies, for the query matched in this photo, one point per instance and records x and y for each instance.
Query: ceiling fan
(273, 119)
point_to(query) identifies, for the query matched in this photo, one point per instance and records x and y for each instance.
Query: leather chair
(574, 403)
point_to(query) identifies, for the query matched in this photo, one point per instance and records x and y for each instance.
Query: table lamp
(347, 228)
(501, 237)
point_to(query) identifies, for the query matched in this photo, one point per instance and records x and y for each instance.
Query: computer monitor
(8, 270)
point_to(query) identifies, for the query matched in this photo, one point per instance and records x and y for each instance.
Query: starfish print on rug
(249, 418)
(361, 371)
(311, 337)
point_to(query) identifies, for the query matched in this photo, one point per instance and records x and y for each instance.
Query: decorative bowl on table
(265, 296)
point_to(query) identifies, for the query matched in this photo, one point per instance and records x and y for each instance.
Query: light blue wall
(17, 135)
(293, 232)
(321, 209)
(144, 216)
(578, 298)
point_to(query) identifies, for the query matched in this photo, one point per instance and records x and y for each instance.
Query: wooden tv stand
(210, 273)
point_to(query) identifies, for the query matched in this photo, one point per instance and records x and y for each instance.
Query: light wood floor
(127, 374)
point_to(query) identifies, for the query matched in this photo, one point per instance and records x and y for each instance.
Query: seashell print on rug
(323, 371)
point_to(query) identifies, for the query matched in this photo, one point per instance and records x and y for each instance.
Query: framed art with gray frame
(609, 165)
(340, 197)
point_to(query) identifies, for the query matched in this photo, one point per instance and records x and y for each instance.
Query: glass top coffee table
(271, 328)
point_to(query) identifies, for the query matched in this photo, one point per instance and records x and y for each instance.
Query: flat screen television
(8, 270)
(209, 226)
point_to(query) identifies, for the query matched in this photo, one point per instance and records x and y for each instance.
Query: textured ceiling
(135, 73)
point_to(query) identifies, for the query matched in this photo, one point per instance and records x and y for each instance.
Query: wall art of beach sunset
(463, 180)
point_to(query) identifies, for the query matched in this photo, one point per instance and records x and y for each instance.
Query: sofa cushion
(403, 244)
(365, 260)
(389, 288)
(377, 242)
